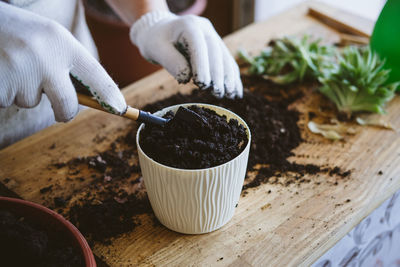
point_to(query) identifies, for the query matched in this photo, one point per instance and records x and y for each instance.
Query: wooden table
(292, 225)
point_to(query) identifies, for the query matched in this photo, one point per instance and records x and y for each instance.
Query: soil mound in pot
(22, 243)
(185, 146)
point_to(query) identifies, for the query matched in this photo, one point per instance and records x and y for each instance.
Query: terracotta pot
(50, 220)
(117, 54)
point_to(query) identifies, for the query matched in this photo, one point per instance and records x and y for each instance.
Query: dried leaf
(374, 121)
(324, 130)
(331, 131)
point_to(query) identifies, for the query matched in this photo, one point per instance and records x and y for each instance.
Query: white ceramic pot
(194, 201)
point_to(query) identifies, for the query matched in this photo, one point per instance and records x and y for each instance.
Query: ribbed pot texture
(194, 201)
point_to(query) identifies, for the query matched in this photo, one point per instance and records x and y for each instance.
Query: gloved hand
(188, 47)
(37, 55)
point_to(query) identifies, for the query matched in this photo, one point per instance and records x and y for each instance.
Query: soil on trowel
(188, 145)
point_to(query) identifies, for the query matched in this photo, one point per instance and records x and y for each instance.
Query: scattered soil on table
(116, 195)
(110, 217)
(182, 145)
(22, 243)
(274, 129)
(269, 174)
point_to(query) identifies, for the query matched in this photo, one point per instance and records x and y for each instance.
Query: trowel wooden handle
(131, 113)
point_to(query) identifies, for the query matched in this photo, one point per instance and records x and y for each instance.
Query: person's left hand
(189, 48)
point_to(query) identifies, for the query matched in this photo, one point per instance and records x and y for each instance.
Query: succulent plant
(356, 81)
(289, 60)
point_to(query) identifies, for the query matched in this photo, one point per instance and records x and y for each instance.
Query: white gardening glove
(188, 47)
(37, 55)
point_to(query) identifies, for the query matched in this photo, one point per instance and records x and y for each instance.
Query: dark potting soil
(265, 174)
(22, 243)
(273, 127)
(105, 200)
(275, 134)
(111, 217)
(183, 145)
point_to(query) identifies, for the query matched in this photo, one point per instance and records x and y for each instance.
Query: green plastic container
(385, 39)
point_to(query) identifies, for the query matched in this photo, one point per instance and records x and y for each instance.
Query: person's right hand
(37, 55)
